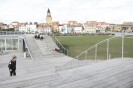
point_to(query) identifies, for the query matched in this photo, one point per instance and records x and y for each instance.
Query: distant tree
(108, 29)
(10, 29)
(72, 31)
(62, 30)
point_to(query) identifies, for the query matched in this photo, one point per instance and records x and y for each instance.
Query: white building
(78, 29)
(14, 25)
(29, 27)
(90, 29)
(102, 26)
(63, 29)
(23, 29)
(40, 30)
(44, 28)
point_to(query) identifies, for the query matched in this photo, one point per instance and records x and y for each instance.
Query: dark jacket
(12, 65)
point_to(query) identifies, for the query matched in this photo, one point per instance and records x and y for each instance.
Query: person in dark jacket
(41, 38)
(38, 36)
(12, 66)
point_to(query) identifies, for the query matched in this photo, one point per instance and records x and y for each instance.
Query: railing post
(122, 46)
(108, 49)
(5, 44)
(71, 64)
(18, 43)
(95, 52)
(109, 56)
(86, 56)
(12, 43)
(78, 60)
(62, 50)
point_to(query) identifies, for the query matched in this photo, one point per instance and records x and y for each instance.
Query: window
(9, 44)
(2, 44)
(15, 44)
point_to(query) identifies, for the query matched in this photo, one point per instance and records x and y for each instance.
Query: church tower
(48, 18)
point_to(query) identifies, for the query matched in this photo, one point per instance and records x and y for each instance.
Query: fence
(116, 47)
(63, 50)
(10, 33)
(11, 42)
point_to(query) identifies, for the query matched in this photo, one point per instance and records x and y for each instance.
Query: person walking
(12, 66)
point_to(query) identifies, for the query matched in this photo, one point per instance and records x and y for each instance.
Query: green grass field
(78, 44)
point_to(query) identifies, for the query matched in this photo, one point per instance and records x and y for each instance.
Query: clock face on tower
(48, 18)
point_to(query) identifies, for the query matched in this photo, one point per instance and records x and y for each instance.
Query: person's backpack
(9, 65)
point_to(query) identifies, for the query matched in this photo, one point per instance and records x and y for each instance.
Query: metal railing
(116, 47)
(27, 46)
(62, 48)
(7, 33)
(11, 33)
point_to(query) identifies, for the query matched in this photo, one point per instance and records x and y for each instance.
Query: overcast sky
(111, 11)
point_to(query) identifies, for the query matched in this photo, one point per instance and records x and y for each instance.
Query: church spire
(49, 17)
(48, 11)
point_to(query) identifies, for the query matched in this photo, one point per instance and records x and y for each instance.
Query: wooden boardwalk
(39, 72)
(109, 74)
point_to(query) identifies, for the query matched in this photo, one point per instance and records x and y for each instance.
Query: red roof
(43, 26)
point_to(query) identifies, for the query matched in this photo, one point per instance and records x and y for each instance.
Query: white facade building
(44, 30)
(90, 29)
(22, 29)
(78, 29)
(30, 28)
(63, 29)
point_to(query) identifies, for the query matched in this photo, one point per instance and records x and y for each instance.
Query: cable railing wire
(108, 52)
(58, 43)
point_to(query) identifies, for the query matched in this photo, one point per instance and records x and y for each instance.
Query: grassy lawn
(78, 44)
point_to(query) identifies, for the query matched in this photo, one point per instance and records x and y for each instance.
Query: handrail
(10, 32)
(60, 43)
(77, 62)
(76, 58)
(24, 40)
(95, 45)
(27, 46)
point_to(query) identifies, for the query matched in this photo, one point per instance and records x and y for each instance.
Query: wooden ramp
(40, 71)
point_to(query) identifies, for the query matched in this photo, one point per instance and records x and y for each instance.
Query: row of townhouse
(74, 27)
(30, 27)
(125, 27)
(70, 27)
(3, 26)
(88, 27)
